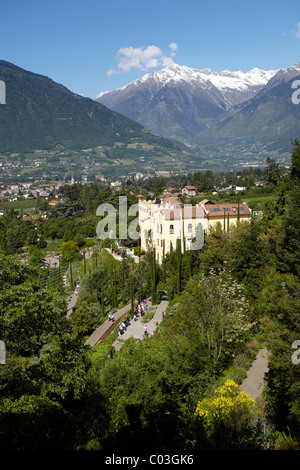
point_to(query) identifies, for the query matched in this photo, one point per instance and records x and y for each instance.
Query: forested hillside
(42, 114)
(176, 390)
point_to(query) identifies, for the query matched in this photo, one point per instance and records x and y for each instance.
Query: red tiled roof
(205, 201)
(171, 200)
(217, 210)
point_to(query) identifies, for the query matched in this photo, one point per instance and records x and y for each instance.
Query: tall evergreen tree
(178, 271)
(153, 286)
(289, 257)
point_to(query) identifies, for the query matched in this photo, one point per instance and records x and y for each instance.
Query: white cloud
(141, 58)
(111, 72)
(298, 30)
(173, 46)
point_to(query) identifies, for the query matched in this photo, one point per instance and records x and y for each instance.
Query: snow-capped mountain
(281, 76)
(270, 119)
(178, 101)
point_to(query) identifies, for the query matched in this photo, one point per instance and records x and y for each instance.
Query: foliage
(242, 288)
(228, 405)
(34, 422)
(213, 313)
(289, 259)
(51, 117)
(69, 251)
(228, 420)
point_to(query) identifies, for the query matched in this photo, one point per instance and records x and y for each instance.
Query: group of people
(111, 317)
(123, 326)
(141, 309)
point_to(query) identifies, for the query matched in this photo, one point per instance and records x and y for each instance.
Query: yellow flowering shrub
(227, 405)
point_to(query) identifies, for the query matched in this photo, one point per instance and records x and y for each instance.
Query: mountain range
(176, 119)
(203, 107)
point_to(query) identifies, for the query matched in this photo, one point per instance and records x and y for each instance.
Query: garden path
(254, 382)
(136, 328)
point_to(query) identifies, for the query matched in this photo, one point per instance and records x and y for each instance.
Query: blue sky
(94, 46)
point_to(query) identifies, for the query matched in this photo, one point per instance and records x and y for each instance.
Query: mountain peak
(179, 101)
(296, 65)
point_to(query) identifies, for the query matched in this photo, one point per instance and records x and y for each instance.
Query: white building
(189, 190)
(161, 224)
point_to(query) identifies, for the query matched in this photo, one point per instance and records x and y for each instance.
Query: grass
(22, 204)
(149, 315)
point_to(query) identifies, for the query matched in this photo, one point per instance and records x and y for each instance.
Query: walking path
(107, 325)
(71, 303)
(254, 383)
(136, 328)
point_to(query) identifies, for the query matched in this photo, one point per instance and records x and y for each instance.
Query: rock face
(178, 102)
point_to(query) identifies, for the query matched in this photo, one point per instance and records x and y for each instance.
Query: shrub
(228, 405)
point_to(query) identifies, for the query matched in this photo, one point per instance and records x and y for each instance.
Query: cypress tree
(102, 303)
(131, 297)
(178, 271)
(153, 278)
(71, 277)
(164, 261)
(115, 284)
(289, 256)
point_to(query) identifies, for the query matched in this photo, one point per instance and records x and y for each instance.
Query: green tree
(34, 422)
(246, 249)
(13, 272)
(69, 251)
(273, 171)
(29, 317)
(65, 365)
(35, 256)
(32, 237)
(289, 257)
(228, 420)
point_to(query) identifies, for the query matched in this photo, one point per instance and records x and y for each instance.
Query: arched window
(190, 228)
(171, 228)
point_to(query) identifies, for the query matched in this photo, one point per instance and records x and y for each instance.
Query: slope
(42, 114)
(179, 101)
(270, 119)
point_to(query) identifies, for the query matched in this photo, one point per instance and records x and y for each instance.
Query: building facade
(163, 222)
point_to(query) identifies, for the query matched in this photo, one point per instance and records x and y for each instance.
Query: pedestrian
(145, 331)
(109, 317)
(112, 318)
